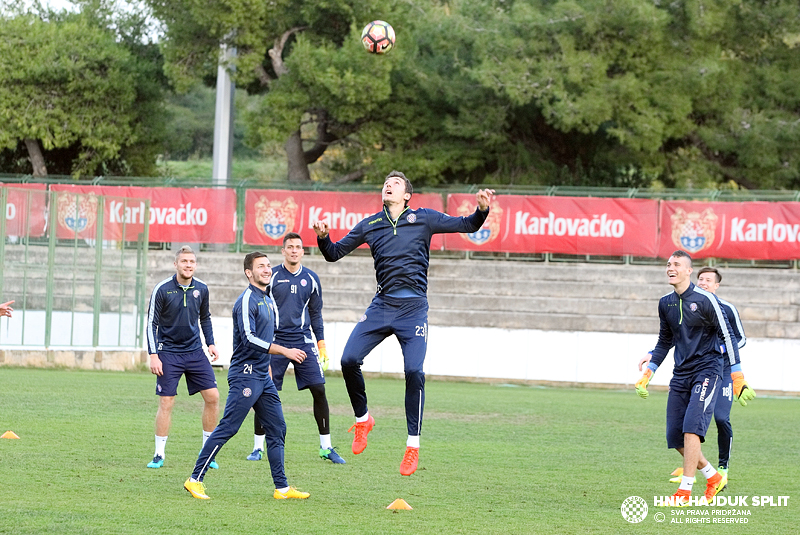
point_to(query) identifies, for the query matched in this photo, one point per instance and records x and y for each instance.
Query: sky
(58, 5)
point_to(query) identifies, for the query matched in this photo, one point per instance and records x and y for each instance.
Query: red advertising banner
(271, 214)
(568, 225)
(189, 215)
(26, 210)
(743, 230)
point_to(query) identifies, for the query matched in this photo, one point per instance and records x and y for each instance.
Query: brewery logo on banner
(693, 231)
(275, 219)
(77, 213)
(491, 227)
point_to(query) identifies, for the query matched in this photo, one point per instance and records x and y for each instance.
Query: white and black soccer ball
(378, 37)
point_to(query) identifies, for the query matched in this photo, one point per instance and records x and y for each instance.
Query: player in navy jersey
(249, 383)
(178, 310)
(399, 239)
(696, 326)
(297, 292)
(709, 279)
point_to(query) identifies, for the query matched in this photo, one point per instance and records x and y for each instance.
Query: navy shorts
(196, 367)
(690, 405)
(307, 373)
(407, 319)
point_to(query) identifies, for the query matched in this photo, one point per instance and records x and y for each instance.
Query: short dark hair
(709, 269)
(409, 187)
(249, 257)
(292, 236)
(682, 254)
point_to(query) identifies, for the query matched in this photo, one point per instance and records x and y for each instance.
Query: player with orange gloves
(694, 323)
(297, 293)
(709, 279)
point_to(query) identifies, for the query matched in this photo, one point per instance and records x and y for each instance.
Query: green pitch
(494, 459)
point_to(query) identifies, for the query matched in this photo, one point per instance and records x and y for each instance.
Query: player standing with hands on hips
(297, 293)
(178, 309)
(694, 323)
(249, 383)
(399, 239)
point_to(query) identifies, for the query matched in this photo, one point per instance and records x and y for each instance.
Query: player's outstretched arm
(322, 229)
(484, 198)
(334, 251)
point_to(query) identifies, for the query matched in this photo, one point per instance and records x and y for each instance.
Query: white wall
(575, 357)
(68, 329)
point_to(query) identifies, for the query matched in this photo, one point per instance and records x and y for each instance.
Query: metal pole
(223, 119)
(98, 270)
(3, 208)
(51, 261)
(121, 287)
(142, 275)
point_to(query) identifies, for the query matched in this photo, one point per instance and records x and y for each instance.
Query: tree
(77, 95)
(696, 95)
(300, 54)
(624, 93)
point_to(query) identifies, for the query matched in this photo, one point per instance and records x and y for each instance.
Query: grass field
(241, 168)
(494, 459)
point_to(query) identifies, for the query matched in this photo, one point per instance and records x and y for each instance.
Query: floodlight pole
(223, 118)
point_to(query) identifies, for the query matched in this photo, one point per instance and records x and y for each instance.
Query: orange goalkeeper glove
(323, 355)
(741, 390)
(641, 384)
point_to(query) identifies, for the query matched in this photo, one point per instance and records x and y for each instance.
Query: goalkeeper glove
(323, 355)
(741, 390)
(641, 384)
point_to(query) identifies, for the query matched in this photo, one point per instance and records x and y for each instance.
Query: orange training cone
(9, 434)
(399, 503)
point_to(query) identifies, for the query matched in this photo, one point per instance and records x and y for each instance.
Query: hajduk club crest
(77, 212)
(275, 219)
(491, 227)
(693, 231)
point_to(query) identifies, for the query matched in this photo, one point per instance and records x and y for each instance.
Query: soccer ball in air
(378, 37)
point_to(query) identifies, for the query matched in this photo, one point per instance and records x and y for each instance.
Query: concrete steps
(473, 293)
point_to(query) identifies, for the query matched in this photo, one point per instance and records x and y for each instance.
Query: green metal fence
(240, 185)
(71, 287)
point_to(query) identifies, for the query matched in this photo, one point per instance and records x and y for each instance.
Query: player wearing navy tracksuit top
(695, 325)
(722, 409)
(179, 308)
(709, 279)
(399, 239)
(249, 383)
(297, 293)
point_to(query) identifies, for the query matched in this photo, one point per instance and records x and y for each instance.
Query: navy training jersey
(737, 330)
(696, 325)
(253, 331)
(172, 318)
(298, 299)
(400, 249)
